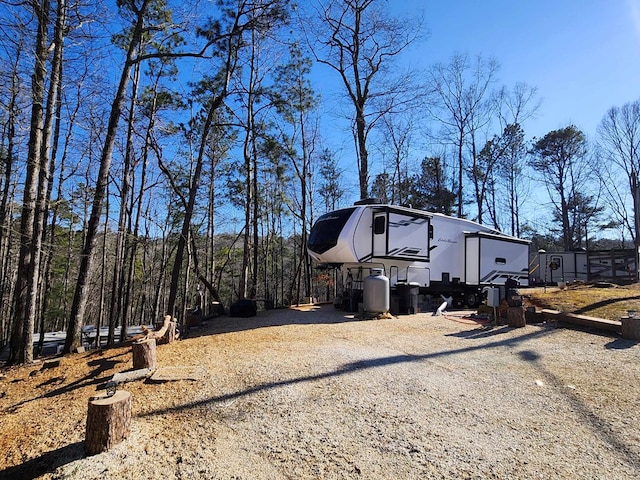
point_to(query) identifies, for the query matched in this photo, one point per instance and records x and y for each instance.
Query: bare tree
(296, 100)
(462, 90)
(359, 41)
(139, 17)
(396, 132)
(619, 144)
(516, 106)
(11, 107)
(228, 37)
(511, 173)
(27, 285)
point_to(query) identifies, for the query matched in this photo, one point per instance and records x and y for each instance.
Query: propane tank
(376, 292)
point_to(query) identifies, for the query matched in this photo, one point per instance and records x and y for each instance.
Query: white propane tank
(376, 292)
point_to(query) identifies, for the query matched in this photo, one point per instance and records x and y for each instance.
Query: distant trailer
(616, 266)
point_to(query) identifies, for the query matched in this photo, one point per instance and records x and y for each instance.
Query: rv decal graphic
(405, 251)
(497, 274)
(407, 222)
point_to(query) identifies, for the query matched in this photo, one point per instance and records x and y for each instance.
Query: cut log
(108, 421)
(170, 334)
(161, 331)
(516, 317)
(167, 333)
(631, 328)
(144, 353)
(131, 375)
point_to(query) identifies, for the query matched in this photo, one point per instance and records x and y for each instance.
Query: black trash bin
(407, 297)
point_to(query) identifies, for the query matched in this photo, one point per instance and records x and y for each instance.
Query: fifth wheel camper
(433, 254)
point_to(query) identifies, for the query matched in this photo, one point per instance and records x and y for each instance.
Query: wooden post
(516, 317)
(144, 353)
(108, 421)
(631, 328)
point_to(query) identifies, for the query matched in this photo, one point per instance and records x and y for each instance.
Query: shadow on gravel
(621, 344)
(484, 332)
(46, 463)
(597, 425)
(307, 315)
(358, 366)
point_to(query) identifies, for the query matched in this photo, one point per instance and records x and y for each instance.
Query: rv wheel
(472, 299)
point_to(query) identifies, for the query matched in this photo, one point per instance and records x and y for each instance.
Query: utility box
(493, 296)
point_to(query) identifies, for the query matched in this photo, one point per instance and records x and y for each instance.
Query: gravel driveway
(317, 394)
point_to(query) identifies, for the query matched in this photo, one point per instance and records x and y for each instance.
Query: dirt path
(316, 394)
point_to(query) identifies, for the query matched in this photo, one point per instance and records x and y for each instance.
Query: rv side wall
(502, 259)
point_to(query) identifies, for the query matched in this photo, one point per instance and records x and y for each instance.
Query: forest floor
(312, 392)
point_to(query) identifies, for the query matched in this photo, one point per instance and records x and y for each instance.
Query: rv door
(380, 234)
(556, 268)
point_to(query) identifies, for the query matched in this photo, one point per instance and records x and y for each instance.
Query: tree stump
(108, 421)
(631, 328)
(144, 353)
(516, 317)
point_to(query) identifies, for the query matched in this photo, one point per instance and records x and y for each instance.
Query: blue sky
(582, 55)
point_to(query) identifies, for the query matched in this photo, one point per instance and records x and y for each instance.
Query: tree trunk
(635, 187)
(122, 305)
(363, 154)
(49, 157)
(516, 317)
(460, 174)
(27, 284)
(81, 295)
(215, 103)
(189, 208)
(7, 206)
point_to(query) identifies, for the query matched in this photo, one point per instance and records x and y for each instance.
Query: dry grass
(596, 300)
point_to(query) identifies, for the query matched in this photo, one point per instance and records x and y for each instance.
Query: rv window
(378, 225)
(430, 232)
(501, 261)
(325, 232)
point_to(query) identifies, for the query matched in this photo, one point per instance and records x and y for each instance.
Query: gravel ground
(314, 393)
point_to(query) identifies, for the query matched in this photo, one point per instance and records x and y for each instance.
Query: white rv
(617, 265)
(441, 255)
(557, 267)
